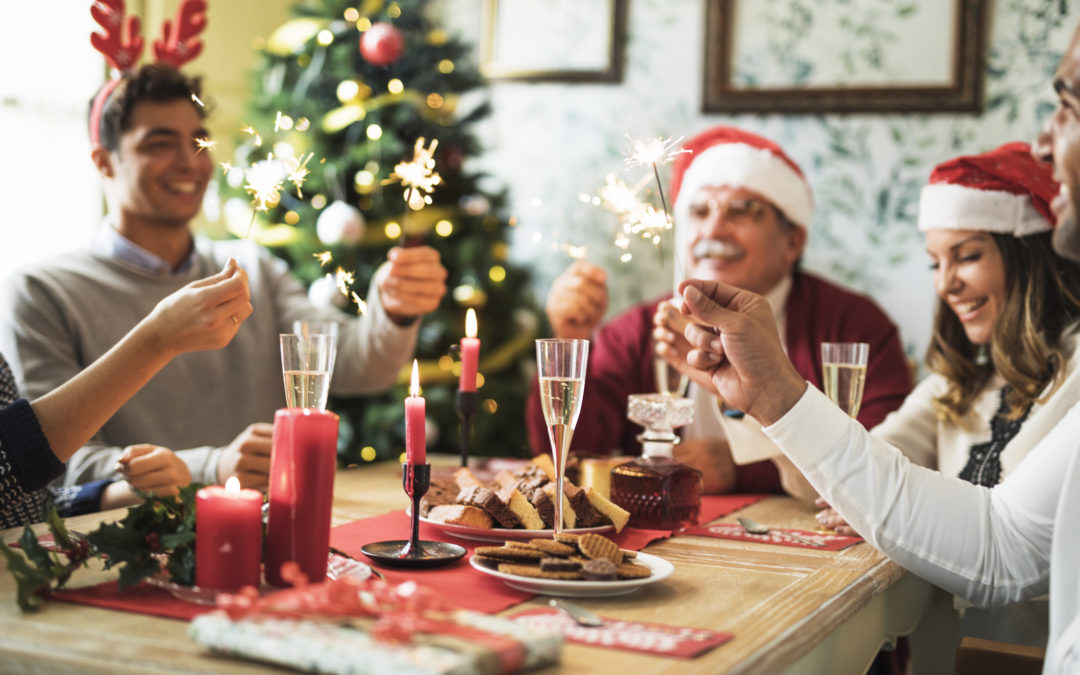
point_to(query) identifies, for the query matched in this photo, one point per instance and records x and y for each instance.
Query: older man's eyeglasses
(736, 210)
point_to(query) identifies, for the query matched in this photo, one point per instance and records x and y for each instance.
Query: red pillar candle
(470, 353)
(301, 491)
(228, 536)
(415, 433)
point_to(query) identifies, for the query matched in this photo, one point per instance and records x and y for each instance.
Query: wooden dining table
(790, 609)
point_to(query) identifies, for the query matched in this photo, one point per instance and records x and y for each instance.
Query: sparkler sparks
(324, 258)
(265, 180)
(654, 152)
(205, 144)
(196, 99)
(418, 176)
(251, 132)
(360, 304)
(344, 280)
(299, 171)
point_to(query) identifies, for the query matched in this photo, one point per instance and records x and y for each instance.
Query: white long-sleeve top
(991, 546)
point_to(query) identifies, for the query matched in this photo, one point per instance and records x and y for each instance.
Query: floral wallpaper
(549, 144)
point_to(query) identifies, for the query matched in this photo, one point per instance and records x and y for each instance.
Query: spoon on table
(577, 613)
(754, 527)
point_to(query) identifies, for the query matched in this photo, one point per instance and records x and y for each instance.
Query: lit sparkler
(205, 144)
(324, 258)
(344, 280)
(360, 304)
(196, 99)
(299, 171)
(418, 176)
(251, 132)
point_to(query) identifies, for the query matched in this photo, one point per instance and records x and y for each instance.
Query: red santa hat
(726, 156)
(1004, 190)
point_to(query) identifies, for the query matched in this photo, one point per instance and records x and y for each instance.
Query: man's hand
(738, 347)
(248, 457)
(205, 314)
(712, 458)
(578, 301)
(154, 469)
(668, 327)
(411, 283)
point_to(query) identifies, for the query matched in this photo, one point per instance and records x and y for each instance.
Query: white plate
(502, 534)
(661, 569)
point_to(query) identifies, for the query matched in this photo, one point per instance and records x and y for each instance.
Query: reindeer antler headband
(122, 45)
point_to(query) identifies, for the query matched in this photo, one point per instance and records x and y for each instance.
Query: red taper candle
(228, 536)
(470, 353)
(415, 432)
(301, 491)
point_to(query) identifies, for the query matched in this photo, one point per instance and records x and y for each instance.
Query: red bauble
(381, 44)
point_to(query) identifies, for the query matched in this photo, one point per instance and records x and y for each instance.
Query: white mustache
(711, 248)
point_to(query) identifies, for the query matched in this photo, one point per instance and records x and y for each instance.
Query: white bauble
(431, 432)
(324, 293)
(340, 223)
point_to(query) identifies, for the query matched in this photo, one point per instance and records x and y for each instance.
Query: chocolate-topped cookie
(598, 570)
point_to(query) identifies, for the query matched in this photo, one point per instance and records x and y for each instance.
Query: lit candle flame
(470, 323)
(232, 485)
(414, 387)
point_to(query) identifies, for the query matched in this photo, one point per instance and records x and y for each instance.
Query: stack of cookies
(569, 557)
(524, 499)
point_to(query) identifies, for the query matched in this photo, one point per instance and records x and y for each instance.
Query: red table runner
(459, 583)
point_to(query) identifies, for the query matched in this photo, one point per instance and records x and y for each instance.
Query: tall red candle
(415, 433)
(470, 353)
(228, 536)
(301, 491)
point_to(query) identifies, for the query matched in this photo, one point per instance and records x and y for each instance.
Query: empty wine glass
(844, 366)
(561, 365)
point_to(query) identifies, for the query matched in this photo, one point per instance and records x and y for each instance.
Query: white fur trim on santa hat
(946, 206)
(757, 169)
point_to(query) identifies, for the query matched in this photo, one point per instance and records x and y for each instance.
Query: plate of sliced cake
(517, 505)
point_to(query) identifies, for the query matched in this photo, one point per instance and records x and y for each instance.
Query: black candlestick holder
(468, 403)
(412, 552)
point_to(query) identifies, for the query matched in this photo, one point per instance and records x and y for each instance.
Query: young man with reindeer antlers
(213, 409)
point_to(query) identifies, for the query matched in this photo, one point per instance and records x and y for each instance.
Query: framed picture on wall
(777, 56)
(554, 40)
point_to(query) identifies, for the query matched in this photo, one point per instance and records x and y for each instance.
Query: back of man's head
(155, 82)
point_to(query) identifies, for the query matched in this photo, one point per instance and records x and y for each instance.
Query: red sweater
(620, 364)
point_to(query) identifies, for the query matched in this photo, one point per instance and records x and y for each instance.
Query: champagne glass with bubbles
(844, 365)
(307, 363)
(561, 365)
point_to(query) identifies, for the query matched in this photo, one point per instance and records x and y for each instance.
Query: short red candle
(415, 432)
(228, 536)
(301, 491)
(470, 353)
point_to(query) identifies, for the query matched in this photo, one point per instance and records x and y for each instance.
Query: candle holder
(468, 403)
(412, 552)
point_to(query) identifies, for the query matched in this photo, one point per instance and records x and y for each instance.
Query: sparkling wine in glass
(844, 365)
(307, 363)
(561, 365)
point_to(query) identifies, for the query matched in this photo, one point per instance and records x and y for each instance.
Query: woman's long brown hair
(1042, 300)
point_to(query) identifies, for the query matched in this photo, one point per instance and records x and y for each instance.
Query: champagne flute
(306, 363)
(561, 365)
(844, 366)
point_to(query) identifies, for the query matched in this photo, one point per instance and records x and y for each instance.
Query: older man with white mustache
(742, 212)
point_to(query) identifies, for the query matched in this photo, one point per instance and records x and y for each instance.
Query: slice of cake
(544, 463)
(442, 491)
(525, 512)
(460, 514)
(569, 516)
(483, 498)
(465, 478)
(587, 515)
(613, 512)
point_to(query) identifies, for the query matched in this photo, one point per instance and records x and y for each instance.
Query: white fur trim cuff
(945, 206)
(757, 169)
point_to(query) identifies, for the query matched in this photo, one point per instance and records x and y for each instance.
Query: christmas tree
(356, 87)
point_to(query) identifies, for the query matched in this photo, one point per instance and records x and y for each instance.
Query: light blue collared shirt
(109, 242)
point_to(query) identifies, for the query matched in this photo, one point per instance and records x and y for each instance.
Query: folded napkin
(631, 636)
(831, 542)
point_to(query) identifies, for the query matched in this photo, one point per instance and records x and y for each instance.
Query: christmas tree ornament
(340, 223)
(382, 44)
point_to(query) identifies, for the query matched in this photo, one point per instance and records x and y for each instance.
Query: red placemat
(458, 582)
(631, 636)
(830, 542)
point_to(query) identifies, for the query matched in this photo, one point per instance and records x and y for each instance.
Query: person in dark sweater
(742, 212)
(37, 437)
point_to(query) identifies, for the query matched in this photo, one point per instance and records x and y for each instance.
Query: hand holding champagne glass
(561, 365)
(844, 365)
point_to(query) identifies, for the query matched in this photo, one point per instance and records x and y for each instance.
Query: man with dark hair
(212, 408)
(992, 546)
